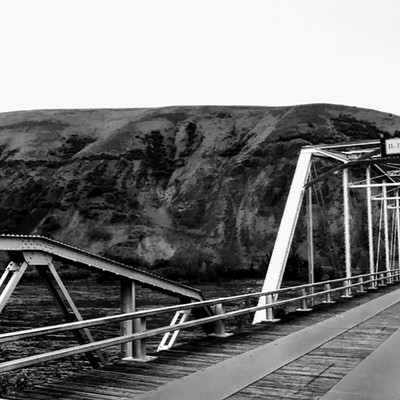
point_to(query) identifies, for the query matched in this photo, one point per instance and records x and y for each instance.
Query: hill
(185, 191)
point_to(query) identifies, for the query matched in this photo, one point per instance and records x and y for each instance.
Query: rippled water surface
(32, 306)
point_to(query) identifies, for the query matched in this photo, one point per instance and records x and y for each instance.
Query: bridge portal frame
(372, 155)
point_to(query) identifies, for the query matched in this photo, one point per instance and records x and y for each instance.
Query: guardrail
(308, 295)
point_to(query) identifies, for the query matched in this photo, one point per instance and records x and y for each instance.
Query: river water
(31, 306)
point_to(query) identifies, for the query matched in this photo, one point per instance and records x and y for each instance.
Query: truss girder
(43, 250)
(349, 154)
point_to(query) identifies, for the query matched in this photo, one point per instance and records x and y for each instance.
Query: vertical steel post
(370, 227)
(398, 231)
(386, 230)
(303, 301)
(139, 346)
(361, 287)
(270, 310)
(219, 326)
(128, 304)
(328, 296)
(346, 216)
(310, 241)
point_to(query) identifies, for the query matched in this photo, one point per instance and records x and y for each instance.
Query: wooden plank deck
(376, 377)
(308, 377)
(315, 373)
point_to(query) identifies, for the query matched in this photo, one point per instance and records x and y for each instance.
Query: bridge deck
(325, 345)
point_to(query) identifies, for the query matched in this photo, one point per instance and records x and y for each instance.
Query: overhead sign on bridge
(390, 147)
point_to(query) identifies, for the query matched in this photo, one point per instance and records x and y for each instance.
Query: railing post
(347, 289)
(303, 302)
(219, 326)
(270, 311)
(139, 346)
(382, 280)
(128, 300)
(328, 296)
(312, 299)
(396, 275)
(373, 285)
(361, 285)
(135, 351)
(393, 275)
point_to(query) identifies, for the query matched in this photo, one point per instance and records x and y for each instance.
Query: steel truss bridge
(332, 342)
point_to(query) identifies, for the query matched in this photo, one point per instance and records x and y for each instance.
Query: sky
(153, 53)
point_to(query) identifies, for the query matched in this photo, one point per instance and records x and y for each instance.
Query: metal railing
(309, 293)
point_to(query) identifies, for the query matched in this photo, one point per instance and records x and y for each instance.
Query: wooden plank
(67, 393)
(270, 393)
(28, 395)
(59, 394)
(132, 381)
(155, 376)
(374, 378)
(100, 389)
(328, 367)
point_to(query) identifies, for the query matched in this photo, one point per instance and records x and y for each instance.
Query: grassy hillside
(185, 191)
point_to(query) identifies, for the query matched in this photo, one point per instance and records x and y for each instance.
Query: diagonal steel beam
(17, 272)
(43, 272)
(74, 308)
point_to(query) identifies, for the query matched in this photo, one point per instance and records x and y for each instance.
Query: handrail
(101, 344)
(57, 354)
(25, 334)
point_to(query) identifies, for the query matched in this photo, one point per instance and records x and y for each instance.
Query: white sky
(150, 53)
